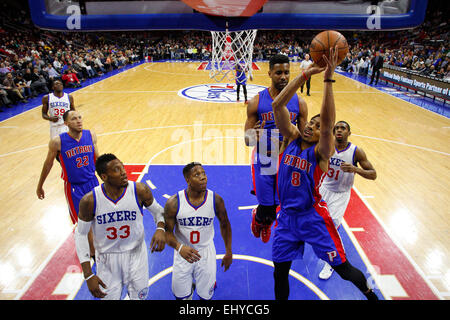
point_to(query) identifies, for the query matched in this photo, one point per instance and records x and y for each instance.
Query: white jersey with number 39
(337, 180)
(57, 107)
(195, 225)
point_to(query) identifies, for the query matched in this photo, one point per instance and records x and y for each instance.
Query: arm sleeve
(81, 240)
(157, 211)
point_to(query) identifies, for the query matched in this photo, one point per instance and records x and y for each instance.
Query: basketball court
(156, 117)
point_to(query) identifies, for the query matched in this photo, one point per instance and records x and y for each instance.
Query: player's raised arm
(279, 104)
(325, 147)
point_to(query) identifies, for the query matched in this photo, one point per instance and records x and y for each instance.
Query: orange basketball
(322, 43)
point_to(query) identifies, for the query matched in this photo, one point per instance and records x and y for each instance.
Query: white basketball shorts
(337, 204)
(203, 272)
(124, 270)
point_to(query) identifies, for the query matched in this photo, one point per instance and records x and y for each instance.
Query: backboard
(108, 15)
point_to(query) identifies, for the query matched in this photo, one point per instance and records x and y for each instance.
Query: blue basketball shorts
(316, 228)
(264, 183)
(74, 192)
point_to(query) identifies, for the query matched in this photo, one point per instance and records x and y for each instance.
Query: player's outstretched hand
(332, 62)
(314, 69)
(94, 284)
(158, 241)
(226, 261)
(189, 254)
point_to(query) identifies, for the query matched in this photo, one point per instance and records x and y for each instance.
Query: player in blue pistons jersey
(304, 160)
(261, 132)
(77, 151)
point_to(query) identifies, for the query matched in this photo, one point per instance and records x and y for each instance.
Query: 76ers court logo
(218, 92)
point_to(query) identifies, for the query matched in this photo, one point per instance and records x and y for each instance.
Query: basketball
(322, 43)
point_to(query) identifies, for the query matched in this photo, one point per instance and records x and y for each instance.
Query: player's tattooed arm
(170, 212)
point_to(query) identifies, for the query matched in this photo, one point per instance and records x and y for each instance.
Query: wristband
(93, 274)
(179, 249)
(161, 228)
(329, 80)
(304, 75)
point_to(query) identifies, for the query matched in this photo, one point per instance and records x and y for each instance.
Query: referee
(303, 66)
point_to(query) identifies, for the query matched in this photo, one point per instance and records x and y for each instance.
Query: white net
(228, 50)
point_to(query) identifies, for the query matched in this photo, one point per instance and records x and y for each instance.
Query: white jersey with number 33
(118, 224)
(195, 225)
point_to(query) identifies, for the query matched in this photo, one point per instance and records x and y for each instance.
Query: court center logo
(218, 92)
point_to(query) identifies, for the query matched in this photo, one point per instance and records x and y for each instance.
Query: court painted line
(145, 170)
(382, 91)
(370, 268)
(403, 144)
(222, 125)
(76, 91)
(150, 184)
(247, 207)
(397, 244)
(356, 229)
(266, 262)
(129, 91)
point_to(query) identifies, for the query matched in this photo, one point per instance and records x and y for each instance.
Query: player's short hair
(102, 162)
(342, 121)
(278, 59)
(66, 114)
(57, 80)
(316, 116)
(187, 168)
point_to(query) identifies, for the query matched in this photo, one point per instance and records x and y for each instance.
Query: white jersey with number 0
(118, 224)
(337, 180)
(195, 225)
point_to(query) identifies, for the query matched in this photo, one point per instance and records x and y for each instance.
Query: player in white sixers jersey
(114, 211)
(265, 154)
(303, 163)
(54, 105)
(337, 185)
(191, 212)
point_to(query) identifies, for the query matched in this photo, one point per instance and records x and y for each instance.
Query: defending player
(337, 185)
(191, 212)
(114, 210)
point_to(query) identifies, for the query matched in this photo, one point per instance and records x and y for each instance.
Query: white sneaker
(326, 272)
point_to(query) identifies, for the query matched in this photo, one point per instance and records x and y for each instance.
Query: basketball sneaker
(326, 272)
(265, 232)
(255, 226)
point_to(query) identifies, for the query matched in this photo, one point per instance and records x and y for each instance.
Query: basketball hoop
(229, 49)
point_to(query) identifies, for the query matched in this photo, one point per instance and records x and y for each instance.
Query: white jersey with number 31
(195, 225)
(337, 180)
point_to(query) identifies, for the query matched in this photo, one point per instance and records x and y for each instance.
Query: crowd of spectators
(31, 59)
